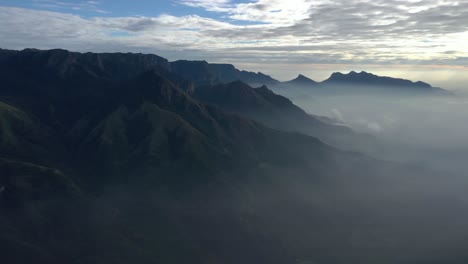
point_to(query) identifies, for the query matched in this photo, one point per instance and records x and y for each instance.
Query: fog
(419, 128)
(389, 216)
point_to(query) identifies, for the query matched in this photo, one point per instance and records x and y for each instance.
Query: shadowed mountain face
(107, 162)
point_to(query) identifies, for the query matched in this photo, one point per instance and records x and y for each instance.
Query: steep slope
(24, 137)
(262, 102)
(276, 111)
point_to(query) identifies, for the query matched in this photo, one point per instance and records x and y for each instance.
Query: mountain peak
(301, 80)
(336, 74)
(302, 77)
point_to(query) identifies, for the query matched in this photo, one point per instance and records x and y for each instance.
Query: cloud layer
(265, 31)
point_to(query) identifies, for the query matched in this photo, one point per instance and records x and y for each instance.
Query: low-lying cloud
(409, 128)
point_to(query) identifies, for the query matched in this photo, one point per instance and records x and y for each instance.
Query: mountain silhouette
(365, 79)
(356, 81)
(301, 80)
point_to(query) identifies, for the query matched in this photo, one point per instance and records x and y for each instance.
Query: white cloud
(282, 32)
(74, 5)
(210, 5)
(267, 11)
(374, 127)
(337, 115)
(366, 126)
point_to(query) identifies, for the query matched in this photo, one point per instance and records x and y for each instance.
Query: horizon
(407, 39)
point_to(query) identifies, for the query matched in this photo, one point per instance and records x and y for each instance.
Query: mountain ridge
(200, 72)
(194, 77)
(363, 79)
(110, 65)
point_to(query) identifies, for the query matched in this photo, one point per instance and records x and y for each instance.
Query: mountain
(301, 80)
(64, 63)
(121, 66)
(123, 143)
(362, 81)
(100, 167)
(260, 104)
(365, 79)
(82, 151)
(263, 105)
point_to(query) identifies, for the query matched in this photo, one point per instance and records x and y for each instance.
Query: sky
(418, 39)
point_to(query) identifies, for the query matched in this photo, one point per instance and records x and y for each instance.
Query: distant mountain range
(369, 79)
(129, 158)
(362, 79)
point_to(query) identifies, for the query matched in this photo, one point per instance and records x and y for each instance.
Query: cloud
(366, 126)
(374, 127)
(337, 115)
(353, 31)
(263, 11)
(92, 6)
(210, 5)
(295, 31)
